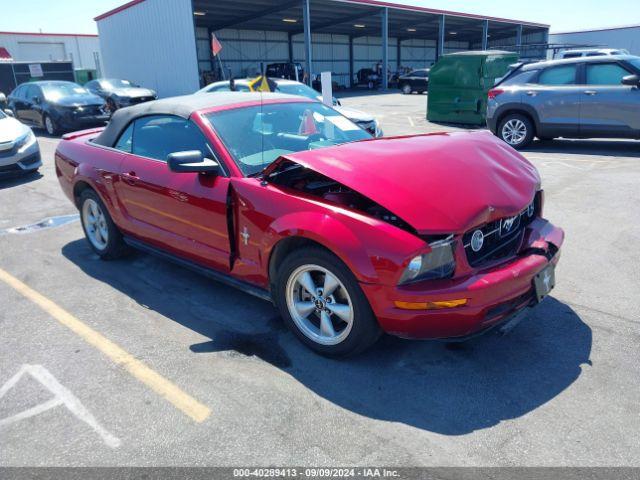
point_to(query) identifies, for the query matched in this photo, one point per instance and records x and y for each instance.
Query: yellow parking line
(181, 400)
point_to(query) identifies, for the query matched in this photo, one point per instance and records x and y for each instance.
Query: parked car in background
(415, 81)
(57, 106)
(586, 97)
(362, 119)
(3, 101)
(119, 93)
(286, 70)
(429, 236)
(19, 150)
(591, 52)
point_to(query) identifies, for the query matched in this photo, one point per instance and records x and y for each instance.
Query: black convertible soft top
(183, 107)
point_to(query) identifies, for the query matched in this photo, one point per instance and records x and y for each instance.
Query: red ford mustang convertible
(431, 236)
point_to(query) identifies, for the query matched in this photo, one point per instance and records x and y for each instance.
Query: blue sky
(76, 16)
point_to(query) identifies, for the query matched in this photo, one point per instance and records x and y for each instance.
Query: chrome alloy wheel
(319, 304)
(95, 224)
(514, 131)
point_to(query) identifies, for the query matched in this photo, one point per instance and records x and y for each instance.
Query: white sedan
(19, 150)
(363, 120)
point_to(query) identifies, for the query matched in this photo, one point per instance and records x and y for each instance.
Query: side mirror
(36, 100)
(8, 112)
(192, 162)
(631, 80)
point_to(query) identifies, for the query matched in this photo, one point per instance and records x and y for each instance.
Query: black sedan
(416, 81)
(120, 93)
(57, 106)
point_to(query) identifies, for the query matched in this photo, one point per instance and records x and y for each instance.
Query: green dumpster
(459, 84)
(84, 75)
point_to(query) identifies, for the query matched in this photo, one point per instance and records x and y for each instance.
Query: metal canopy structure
(360, 18)
(360, 24)
(349, 18)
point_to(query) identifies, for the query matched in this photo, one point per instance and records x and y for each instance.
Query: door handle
(590, 92)
(531, 93)
(130, 178)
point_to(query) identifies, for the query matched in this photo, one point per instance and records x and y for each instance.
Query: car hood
(438, 183)
(133, 92)
(354, 115)
(78, 100)
(11, 129)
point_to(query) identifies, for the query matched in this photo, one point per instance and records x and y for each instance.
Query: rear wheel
(406, 89)
(323, 304)
(102, 234)
(516, 130)
(50, 125)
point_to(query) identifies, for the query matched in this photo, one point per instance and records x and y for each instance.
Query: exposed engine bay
(297, 177)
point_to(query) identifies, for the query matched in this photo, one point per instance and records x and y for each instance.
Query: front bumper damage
(494, 295)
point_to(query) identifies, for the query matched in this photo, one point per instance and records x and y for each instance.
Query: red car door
(183, 213)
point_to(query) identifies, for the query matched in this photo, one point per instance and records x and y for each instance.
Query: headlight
(25, 141)
(437, 264)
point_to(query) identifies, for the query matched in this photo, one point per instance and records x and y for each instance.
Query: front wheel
(323, 304)
(516, 130)
(102, 234)
(406, 89)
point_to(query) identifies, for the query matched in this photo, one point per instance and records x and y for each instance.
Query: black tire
(406, 89)
(115, 246)
(517, 119)
(365, 330)
(53, 130)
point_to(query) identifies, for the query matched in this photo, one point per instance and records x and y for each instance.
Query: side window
(563, 75)
(32, 91)
(125, 142)
(605, 74)
(19, 92)
(521, 78)
(160, 135)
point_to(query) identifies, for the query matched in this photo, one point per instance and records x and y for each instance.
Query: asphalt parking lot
(149, 364)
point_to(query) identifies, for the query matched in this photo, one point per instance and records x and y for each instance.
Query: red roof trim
(39, 34)
(118, 9)
(375, 3)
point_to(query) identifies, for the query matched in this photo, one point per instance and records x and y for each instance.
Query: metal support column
(441, 37)
(306, 14)
(399, 55)
(290, 48)
(385, 48)
(485, 35)
(351, 72)
(519, 39)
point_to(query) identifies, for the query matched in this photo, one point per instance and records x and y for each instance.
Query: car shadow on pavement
(451, 389)
(605, 148)
(19, 179)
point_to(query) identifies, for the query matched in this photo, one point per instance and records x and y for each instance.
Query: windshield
(114, 83)
(257, 136)
(55, 91)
